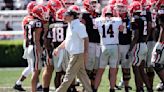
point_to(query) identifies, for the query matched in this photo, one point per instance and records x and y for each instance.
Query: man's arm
(37, 37)
(61, 46)
(86, 44)
(149, 30)
(134, 40)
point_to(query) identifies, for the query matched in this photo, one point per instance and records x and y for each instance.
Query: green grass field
(9, 42)
(8, 76)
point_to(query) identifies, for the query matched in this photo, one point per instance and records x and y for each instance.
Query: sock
(38, 84)
(94, 90)
(126, 89)
(46, 89)
(19, 82)
(112, 90)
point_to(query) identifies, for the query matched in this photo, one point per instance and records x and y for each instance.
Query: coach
(76, 43)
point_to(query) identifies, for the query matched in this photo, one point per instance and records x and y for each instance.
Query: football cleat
(18, 87)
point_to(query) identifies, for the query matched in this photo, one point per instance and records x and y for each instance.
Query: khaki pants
(75, 68)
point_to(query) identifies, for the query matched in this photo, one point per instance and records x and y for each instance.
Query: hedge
(11, 52)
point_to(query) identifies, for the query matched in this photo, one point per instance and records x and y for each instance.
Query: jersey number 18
(58, 34)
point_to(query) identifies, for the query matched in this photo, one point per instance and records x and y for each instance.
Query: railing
(14, 17)
(12, 35)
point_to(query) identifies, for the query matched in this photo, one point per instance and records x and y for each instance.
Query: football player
(35, 36)
(108, 27)
(53, 6)
(158, 51)
(27, 70)
(138, 47)
(151, 38)
(58, 29)
(88, 18)
(124, 41)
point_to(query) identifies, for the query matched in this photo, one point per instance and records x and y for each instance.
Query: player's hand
(55, 51)
(121, 28)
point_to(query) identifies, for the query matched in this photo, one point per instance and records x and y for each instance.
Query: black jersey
(30, 28)
(57, 32)
(140, 24)
(157, 29)
(91, 29)
(148, 17)
(125, 36)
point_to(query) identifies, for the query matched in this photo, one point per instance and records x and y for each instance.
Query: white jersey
(108, 30)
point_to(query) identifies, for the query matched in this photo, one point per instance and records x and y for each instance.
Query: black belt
(111, 44)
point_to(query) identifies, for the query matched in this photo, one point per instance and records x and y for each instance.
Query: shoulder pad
(116, 19)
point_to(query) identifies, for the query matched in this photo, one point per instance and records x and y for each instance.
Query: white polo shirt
(74, 42)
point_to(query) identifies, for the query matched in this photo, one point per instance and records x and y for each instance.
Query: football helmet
(68, 3)
(135, 6)
(161, 10)
(75, 8)
(156, 3)
(60, 14)
(112, 2)
(30, 6)
(26, 20)
(54, 5)
(41, 12)
(90, 5)
(121, 6)
(107, 10)
(146, 5)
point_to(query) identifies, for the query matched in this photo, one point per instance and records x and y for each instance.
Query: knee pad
(158, 67)
(90, 74)
(150, 72)
(126, 76)
(94, 75)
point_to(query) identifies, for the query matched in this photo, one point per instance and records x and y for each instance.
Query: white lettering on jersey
(108, 30)
(145, 28)
(38, 24)
(154, 16)
(58, 33)
(29, 31)
(125, 29)
(94, 25)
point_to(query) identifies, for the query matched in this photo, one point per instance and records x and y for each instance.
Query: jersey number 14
(109, 31)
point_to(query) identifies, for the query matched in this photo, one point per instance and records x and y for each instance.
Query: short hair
(71, 13)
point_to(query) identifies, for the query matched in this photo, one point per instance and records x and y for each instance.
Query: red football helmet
(54, 5)
(68, 3)
(41, 12)
(75, 8)
(90, 5)
(112, 2)
(146, 5)
(121, 6)
(30, 6)
(156, 3)
(60, 14)
(135, 6)
(107, 10)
